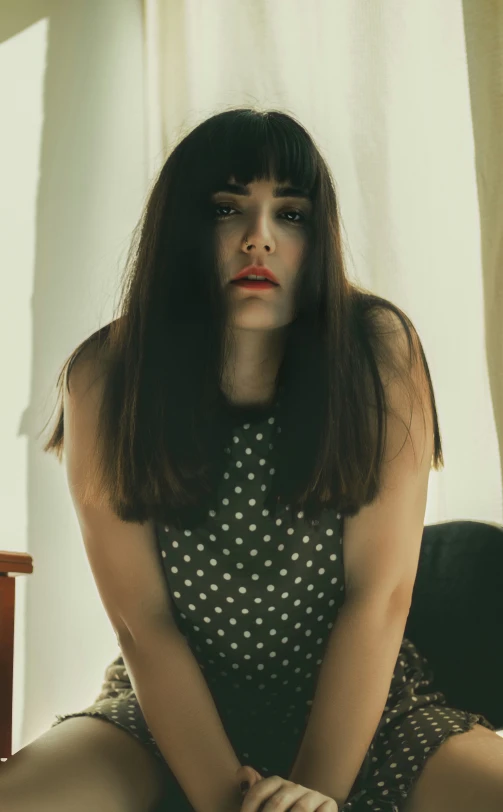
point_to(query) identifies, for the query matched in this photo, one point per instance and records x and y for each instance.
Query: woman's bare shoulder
(90, 363)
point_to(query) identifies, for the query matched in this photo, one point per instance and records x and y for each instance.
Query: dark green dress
(256, 599)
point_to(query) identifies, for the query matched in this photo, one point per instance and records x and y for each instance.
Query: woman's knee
(82, 763)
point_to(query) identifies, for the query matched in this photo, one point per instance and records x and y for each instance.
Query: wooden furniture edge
(15, 563)
(11, 565)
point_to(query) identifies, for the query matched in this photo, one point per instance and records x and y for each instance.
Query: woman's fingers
(249, 774)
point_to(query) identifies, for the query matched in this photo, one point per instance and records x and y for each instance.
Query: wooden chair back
(11, 565)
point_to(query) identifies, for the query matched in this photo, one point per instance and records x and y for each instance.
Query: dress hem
(150, 745)
(374, 800)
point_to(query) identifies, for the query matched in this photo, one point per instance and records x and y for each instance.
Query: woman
(222, 440)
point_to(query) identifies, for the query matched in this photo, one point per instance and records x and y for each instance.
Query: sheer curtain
(405, 101)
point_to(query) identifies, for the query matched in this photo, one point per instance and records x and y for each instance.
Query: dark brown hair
(163, 422)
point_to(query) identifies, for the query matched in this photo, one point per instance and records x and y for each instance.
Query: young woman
(249, 466)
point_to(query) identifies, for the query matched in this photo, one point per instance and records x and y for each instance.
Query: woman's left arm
(350, 697)
(381, 547)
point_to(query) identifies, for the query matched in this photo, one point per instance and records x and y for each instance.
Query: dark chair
(456, 616)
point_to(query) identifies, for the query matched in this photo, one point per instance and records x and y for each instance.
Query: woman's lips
(254, 285)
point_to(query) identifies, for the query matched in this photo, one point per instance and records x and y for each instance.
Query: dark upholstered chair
(456, 618)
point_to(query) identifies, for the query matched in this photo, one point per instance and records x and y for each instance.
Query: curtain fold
(484, 51)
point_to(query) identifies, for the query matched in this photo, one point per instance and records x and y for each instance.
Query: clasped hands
(276, 794)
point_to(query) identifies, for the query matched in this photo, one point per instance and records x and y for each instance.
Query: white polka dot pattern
(256, 598)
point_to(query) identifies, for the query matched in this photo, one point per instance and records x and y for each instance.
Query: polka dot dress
(256, 599)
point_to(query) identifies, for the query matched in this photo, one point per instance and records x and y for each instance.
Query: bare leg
(81, 764)
(464, 775)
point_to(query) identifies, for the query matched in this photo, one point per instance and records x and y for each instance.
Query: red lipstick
(256, 270)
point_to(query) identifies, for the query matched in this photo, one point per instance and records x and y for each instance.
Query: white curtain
(73, 179)
(404, 100)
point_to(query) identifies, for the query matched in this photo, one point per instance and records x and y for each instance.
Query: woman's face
(275, 229)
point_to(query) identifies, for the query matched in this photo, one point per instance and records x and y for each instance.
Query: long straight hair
(163, 423)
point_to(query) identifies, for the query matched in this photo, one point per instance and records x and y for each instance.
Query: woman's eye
(221, 206)
(298, 213)
(290, 211)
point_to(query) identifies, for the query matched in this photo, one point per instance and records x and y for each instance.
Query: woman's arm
(381, 546)
(350, 697)
(181, 713)
(127, 568)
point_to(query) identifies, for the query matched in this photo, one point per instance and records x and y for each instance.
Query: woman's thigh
(81, 764)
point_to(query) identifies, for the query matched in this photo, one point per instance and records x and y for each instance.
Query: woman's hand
(286, 794)
(247, 773)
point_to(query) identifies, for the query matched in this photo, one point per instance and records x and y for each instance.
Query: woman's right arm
(172, 692)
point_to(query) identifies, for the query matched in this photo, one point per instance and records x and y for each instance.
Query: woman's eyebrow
(278, 191)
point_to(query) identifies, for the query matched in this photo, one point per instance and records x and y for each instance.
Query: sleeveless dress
(256, 599)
